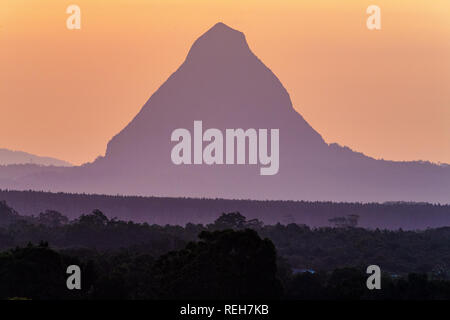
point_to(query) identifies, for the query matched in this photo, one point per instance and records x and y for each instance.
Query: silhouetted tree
(7, 214)
(35, 272)
(235, 221)
(223, 265)
(52, 218)
(232, 220)
(96, 218)
(350, 221)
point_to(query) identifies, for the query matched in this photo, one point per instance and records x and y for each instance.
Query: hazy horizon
(383, 93)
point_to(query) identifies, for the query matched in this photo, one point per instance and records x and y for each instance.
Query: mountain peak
(219, 41)
(223, 84)
(221, 27)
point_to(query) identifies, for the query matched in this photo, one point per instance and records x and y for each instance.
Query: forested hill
(183, 210)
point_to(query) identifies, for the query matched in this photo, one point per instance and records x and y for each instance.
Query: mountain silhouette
(223, 84)
(8, 157)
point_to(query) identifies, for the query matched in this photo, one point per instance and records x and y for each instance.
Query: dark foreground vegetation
(226, 264)
(232, 258)
(162, 211)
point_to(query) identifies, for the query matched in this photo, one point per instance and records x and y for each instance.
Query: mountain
(224, 85)
(8, 157)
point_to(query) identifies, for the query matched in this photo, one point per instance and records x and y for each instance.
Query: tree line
(233, 257)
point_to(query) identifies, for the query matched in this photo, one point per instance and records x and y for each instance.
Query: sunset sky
(65, 93)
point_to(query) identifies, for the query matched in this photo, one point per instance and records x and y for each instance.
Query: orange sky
(65, 93)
